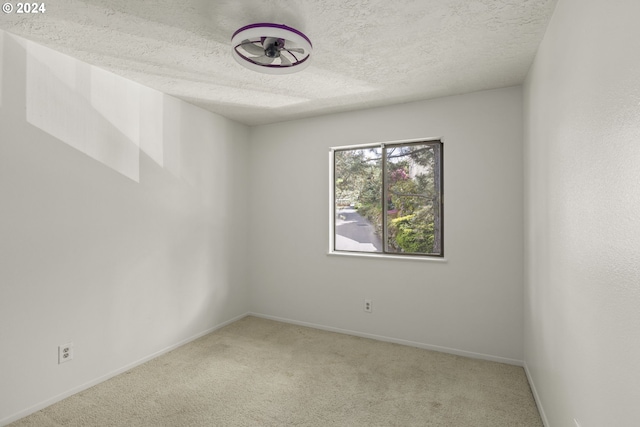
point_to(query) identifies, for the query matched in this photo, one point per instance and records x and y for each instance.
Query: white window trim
(386, 256)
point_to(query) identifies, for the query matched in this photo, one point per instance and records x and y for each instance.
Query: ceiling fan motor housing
(272, 47)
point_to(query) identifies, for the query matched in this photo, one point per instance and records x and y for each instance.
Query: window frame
(332, 201)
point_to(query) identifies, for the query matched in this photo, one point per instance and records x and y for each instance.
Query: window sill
(387, 256)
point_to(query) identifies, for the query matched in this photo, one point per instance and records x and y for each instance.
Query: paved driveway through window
(355, 233)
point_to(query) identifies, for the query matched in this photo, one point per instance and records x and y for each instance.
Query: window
(387, 198)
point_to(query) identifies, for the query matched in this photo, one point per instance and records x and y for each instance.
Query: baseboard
(457, 352)
(59, 397)
(536, 397)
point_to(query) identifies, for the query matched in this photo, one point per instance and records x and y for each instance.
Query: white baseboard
(457, 352)
(59, 397)
(536, 397)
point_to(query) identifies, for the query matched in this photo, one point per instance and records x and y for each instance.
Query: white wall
(471, 304)
(122, 223)
(582, 151)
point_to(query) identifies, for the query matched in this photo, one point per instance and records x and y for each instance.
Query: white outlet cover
(65, 352)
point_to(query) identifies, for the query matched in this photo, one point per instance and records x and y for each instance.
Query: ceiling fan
(271, 48)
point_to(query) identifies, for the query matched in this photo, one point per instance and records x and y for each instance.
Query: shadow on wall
(107, 117)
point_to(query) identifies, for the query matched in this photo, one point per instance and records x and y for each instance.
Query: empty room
(320, 213)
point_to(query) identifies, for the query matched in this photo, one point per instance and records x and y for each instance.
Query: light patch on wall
(152, 124)
(172, 122)
(105, 116)
(117, 100)
(59, 102)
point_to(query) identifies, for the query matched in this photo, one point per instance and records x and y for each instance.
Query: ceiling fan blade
(295, 49)
(252, 48)
(264, 59)
(284, 61)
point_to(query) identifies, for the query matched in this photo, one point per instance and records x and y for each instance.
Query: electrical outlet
(368, 306)
(65, 352)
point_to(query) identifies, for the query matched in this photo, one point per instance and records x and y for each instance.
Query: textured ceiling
(366, 52)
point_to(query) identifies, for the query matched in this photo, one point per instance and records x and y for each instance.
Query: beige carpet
(258, 372)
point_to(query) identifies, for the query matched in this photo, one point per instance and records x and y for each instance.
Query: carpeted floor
(258, 372)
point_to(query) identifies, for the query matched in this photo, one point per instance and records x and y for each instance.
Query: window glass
(358, 200)
(388, 199)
